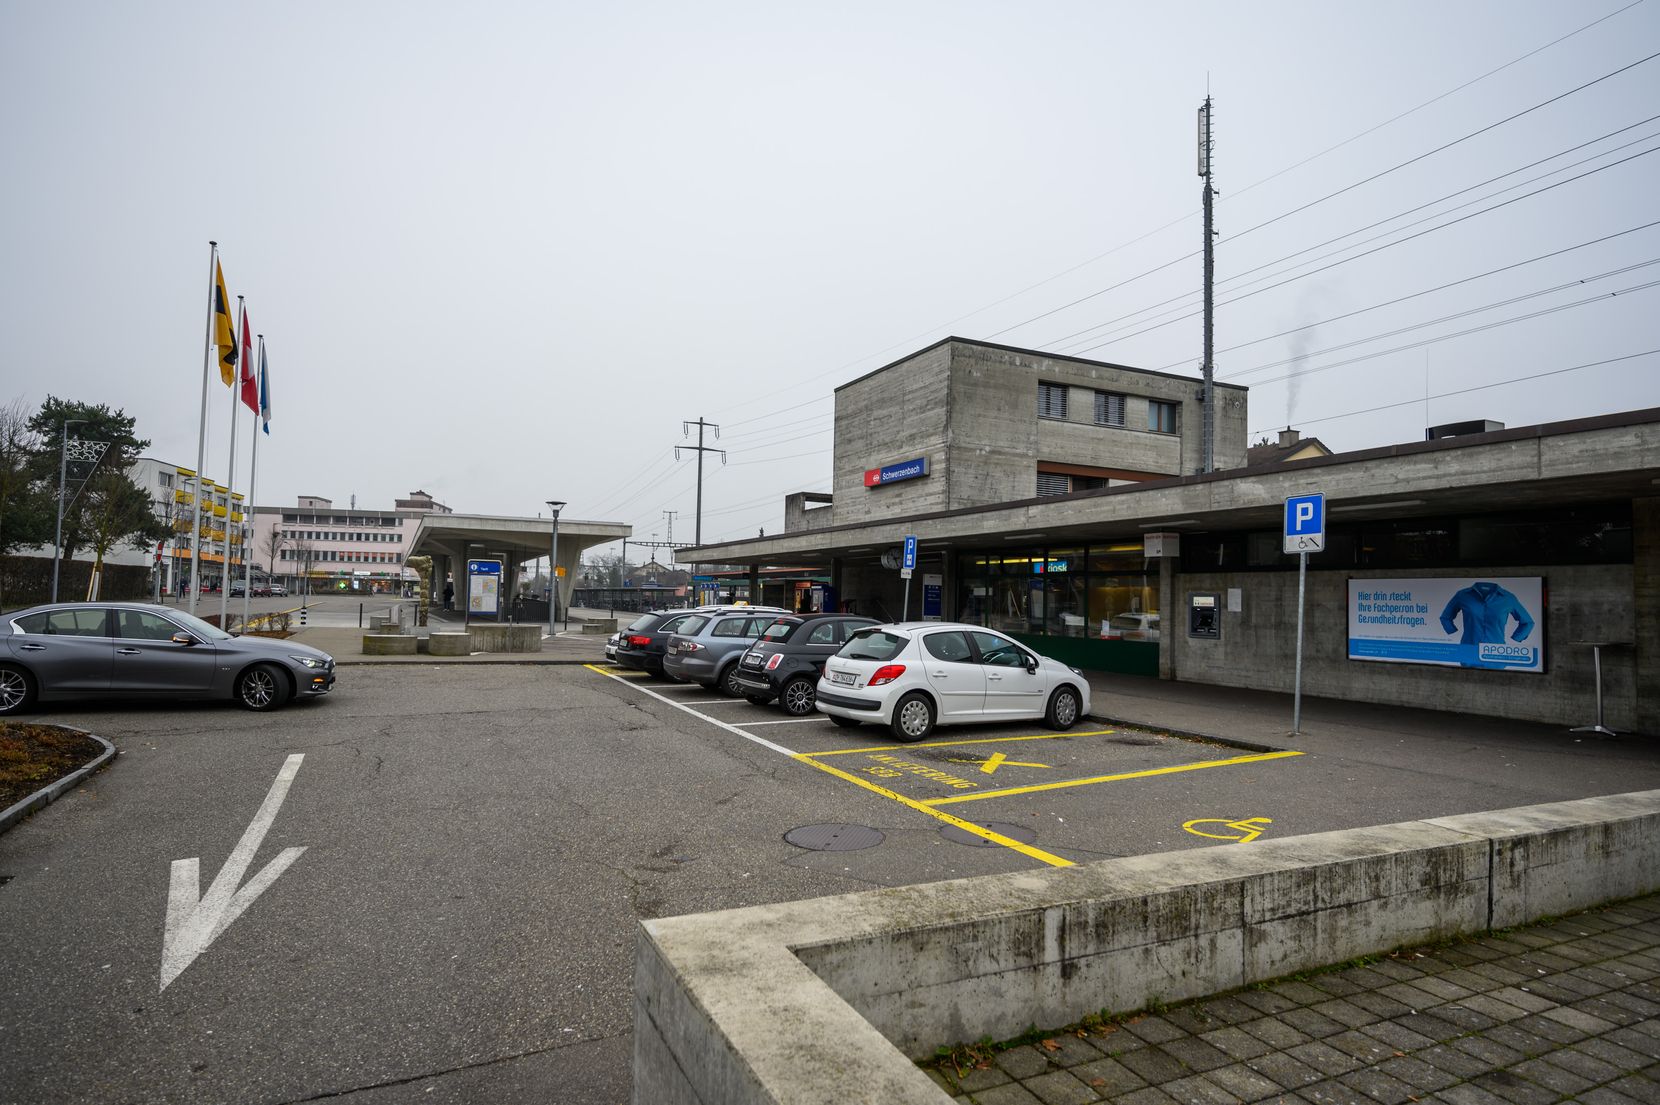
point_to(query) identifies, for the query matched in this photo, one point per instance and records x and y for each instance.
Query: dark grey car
(706, 647)
(75, 649)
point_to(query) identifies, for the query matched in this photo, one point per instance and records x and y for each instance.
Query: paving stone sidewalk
(1565, 1011)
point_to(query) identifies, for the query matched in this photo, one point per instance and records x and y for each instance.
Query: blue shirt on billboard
(1486, 609)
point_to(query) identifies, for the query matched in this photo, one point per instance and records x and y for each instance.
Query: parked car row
(261, 590)
(909, 676)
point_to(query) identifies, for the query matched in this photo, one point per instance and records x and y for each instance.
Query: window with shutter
(1109, 409)
(1051, 401)
(1048, 483)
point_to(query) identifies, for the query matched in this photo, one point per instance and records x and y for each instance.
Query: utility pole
(699, 449)
(1207, 461)
(669, 514)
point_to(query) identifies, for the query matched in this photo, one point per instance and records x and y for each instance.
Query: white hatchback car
(912, 676)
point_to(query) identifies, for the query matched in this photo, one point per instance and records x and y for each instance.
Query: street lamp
(555, 505)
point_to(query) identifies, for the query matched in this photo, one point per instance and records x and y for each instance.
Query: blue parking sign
(910, 552)
(1305, 523)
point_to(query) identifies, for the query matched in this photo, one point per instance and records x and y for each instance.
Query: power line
(1465, 391)
(1461, 333)
(1236, 277)
(1428, 291)
(1445, 318)
(1386, 245)
(1338, 192)
(1445, 146)
(865, 358)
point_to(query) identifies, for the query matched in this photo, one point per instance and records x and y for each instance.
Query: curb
(47, 795)
(340, 662)
(1194, 734)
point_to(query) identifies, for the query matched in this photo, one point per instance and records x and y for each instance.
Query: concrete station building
(1059, 500)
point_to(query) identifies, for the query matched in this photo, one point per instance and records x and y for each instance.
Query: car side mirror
(183, 639)
(1031, 665)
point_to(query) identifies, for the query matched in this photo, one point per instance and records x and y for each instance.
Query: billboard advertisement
(1494, 623)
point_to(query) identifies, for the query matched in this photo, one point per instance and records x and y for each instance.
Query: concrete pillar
(755, 595)
(948, 585)
(1645, 594)
(836, 582)
(1171, 620)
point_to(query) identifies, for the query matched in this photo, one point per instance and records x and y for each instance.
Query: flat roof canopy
(1584, 460)
(517, 539)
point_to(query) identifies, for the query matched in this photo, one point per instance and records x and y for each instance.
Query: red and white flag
(250, 382)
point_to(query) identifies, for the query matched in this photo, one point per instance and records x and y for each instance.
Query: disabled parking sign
(1305, 523)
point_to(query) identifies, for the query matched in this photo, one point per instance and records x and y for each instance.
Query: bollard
(360, 615)
(302, 615)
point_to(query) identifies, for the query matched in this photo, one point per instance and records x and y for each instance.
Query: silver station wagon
(72, 650)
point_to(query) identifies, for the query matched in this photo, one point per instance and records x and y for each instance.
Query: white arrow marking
(194, 924)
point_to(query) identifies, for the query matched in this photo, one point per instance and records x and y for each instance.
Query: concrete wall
(1258, 646)
(890, 416)
(972, 410)
(823, 1001)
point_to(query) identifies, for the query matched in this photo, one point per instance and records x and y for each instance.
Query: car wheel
(1063, 709)
(262, 687)
(17, 690)
(725, 682)
(798, 696)
(845, 722)
(913, 718)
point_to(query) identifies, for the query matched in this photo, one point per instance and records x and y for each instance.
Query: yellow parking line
(967, 826)
(952, 744)
(1111, 778)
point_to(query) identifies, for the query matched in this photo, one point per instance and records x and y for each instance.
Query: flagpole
(227, 574)
(201, 439)
(253, 471)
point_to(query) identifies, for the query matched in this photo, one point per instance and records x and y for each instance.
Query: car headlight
(1077, 671)
(309, 661)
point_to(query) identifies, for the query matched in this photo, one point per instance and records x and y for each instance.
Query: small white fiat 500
(912, 676)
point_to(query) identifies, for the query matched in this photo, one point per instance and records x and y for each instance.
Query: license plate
(843, 677)
(752, 661)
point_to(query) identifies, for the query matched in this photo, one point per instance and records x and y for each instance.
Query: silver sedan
(77, 649)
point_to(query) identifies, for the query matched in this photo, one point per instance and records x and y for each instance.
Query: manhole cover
(834, 838)
(1002, 828)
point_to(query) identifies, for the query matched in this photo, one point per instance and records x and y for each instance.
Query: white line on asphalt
(193, 924)
(762, 741)
(784, 721)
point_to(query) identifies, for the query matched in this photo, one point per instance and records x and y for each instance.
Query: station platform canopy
(452, 539)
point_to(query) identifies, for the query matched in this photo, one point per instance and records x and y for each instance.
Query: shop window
(1065, 606)
(1113, 599)
(1051, 401)
(1109, 409)
(1161, 416)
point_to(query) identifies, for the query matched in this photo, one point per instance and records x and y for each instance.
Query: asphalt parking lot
(439, 900)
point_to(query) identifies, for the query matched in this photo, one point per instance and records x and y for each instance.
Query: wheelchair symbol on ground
(1243, 831)
(996, 760)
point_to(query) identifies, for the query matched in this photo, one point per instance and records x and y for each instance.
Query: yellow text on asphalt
(1243, 831)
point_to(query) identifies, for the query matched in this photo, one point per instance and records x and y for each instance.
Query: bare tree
(274, 543)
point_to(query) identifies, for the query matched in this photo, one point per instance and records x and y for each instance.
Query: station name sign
(894, 473)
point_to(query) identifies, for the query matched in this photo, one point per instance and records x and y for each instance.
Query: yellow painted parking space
(1231, 761)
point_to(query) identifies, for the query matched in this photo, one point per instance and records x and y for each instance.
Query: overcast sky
(501, 251)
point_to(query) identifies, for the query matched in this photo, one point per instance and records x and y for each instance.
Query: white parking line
(762, 741)
(783, 721)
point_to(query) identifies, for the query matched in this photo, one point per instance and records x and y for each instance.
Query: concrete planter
(389, 644)
(450, 644)
(506, 638)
